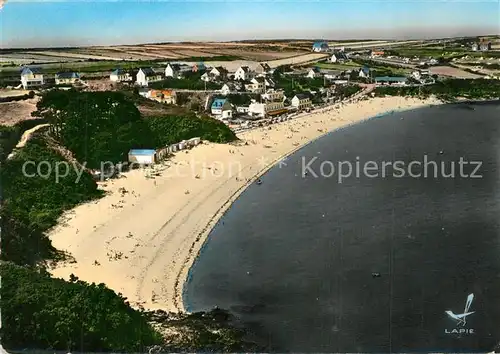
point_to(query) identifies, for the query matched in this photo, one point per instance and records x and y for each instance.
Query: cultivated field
(255, 51)
(13, 112)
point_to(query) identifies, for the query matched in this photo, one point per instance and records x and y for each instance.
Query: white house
(221, 108)
(243, 73)
(269, 83)
(256, 85)
(207, 77)
(146, 76)
(120, 75)
(172, 70)
(31, 77)
(242, 109)
(338, 57)
(227, 89)
(313, 73)
(301, 101)
(263, 69)
(176, 70)
(273, 96)
(364, 72)
(266, 109)
(67, 78)
(219, 72)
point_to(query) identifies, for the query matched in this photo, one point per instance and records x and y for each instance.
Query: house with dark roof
(364, 72)
(67, 78)
(176, 70)
(219, 72)
(338, 57)
(147, 75)
(485, 46)
(244, 73)
(31, 77)
(301, 101)
(120, 75)
(227, 88)
(313, 73)
(263, 69)
(320, 46)
(256, 85)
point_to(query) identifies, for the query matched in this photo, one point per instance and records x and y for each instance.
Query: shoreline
(186, 274)
(174, 217)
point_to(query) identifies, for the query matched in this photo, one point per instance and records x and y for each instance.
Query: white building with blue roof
(320, 46)
(364, 72)
(221, 108)
(31, 77)
(67, 78)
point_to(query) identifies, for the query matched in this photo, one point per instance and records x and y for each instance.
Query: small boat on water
(259, 181)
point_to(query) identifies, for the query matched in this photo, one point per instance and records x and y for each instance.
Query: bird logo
(461, 317)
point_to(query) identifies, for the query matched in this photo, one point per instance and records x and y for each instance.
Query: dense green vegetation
(447, 89)
(383, 69)
(42, 312)
(345, 91)
(35, 200)
(292, 84)
(167, 130)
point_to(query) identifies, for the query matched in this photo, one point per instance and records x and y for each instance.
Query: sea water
(294, 258)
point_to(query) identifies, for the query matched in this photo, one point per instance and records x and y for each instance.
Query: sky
(45, 23)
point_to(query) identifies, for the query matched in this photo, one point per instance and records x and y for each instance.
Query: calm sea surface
(294, 257)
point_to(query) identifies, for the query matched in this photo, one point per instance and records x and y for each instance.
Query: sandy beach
(141, 239)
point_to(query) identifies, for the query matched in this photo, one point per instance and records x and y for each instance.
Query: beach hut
(142, 156)
(195, 141)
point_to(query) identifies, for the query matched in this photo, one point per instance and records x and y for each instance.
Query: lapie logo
(461, 318)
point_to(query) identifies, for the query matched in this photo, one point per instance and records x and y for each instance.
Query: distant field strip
(301, 59)
(73, 55)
